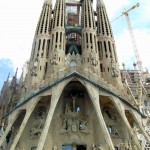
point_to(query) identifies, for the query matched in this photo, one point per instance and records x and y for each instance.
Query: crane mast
(139, 62)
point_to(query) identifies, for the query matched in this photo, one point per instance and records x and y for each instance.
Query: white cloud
(114, 6)
(145, 4)
(142, 40)
(125, 50)
(18, 23)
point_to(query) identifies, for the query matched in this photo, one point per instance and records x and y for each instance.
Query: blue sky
(19, 20)
(6, 67)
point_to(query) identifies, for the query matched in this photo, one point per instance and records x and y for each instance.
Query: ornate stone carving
(33, 70)
(75, 57)
(93, 59)
(67, 59)
(73, 119)
(109, 114)
(68, 109)
(99, 148)
(1, 131)
(2, 148)
(41, 113)
(134, 147)
(114, 132)
(55, 57)
(54, 148)
(96, 147)
(93, 147)
(36, 131)
(79, 59)
(125, 146)
(113, 68)
(83, 127)
(74, 125)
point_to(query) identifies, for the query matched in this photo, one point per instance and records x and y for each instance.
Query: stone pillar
(29, 111)
(141, 129)
(89, 44)
(106, 49)
(13, 118)
(56, 92)
(94, 95)
(122, 114)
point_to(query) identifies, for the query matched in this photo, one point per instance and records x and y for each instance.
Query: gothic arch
(71, 119)
(114, 122)
(14, 128)
(138, 126)
(130, 118)
(121, 110)
(34, 124)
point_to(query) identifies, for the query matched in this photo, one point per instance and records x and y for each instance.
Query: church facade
(73, 96)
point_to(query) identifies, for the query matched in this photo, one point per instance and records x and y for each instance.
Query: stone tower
(72, 97)
(106, 46)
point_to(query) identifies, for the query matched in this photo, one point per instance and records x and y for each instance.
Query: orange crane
(126, 13)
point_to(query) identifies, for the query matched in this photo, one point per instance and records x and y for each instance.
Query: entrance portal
(77, 147)
(81, 147)
(66, 147)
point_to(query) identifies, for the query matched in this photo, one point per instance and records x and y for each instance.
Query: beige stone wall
(106, 123)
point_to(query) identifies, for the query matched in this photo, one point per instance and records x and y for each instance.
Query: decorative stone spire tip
(100, 3)
(48, 1)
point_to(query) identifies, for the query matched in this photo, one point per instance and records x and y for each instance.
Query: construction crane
(126, 14)
(139, 62)
(136, 88)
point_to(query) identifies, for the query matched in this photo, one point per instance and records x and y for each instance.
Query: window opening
(39, 45)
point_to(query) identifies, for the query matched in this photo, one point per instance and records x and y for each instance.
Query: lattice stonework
(147, 146)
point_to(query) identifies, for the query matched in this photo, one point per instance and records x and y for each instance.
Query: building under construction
(72, 94)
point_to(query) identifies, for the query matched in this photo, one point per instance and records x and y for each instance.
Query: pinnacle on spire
(8, 78)
(100, 3)
(14, 79)
(16, 72)
(48, 1)
(6, 82)
(21, 77)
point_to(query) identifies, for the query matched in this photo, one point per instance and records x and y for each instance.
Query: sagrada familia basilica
(72, 94)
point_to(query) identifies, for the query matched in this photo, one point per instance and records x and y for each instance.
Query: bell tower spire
(109, 66)
(89, 38)
(57, 44)
(40, 48)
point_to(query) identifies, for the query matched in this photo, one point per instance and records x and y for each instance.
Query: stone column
(29, 111)
(94, 95)
(122, 114)
(13, 118)
(56, 92)
(141, 129)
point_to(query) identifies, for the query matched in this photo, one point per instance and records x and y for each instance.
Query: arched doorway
(117, 129)
(73, 123)
(14, 129)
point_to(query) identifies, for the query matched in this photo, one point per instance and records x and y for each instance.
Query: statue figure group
(74, 125)
(96, 147)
